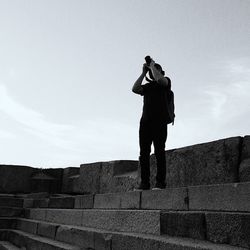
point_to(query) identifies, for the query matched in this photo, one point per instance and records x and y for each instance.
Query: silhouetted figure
(154, 120)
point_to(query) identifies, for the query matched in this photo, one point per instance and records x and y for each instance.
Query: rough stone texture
(170, 198)
(11, 202)
(47, 230)
(244, 168)
(89, 179)
(223, 197)
(78, 237)
(118, 200)
(201, 164)
(63, 202)
(84, 201)
(10, 212)
(68, 182)
(64, 216)
(15, 179)
(123, 220)
(229, 228)
(42, 203)
(184, 224)
(26, 226)
(35, 213)
(39, 195)
(28, 203)
(103, 241)
(7, 223)
(28, 241)
(116, 176)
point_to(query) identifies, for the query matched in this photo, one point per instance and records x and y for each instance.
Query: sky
(67, 68)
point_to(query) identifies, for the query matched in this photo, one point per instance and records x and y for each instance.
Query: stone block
(47, 229)
(169, 198)
(244, 170)
(118, 176)
(184, 224)
(64, 216)
(35, 214)
(229, 228)
(76, 236)
(39, 195)
(84, 201)
(141, 221)
(28, 203)
(221, 197)
(89, 179)
(103, 241)
(10, 212)
(11, 202)
(62, 202)
(26, 226)
(42, 203)
(68, 182)
(118, 200)
(15, 179)
(207, 163)
(7, 223)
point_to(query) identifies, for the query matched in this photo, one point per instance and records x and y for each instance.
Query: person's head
(159, 68)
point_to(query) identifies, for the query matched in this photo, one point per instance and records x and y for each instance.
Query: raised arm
(137, 88)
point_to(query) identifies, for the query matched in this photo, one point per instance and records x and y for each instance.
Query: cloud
(33, 121)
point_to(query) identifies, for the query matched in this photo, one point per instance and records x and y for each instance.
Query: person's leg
(159, 140)
(145, 138)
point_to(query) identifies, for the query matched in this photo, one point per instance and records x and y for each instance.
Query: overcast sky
(67, 68)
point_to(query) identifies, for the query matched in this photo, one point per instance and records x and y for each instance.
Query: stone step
(7, 222)
(6, 245)
(10, 212)
(90, 238)
(11, 202)
(143, 221)
(220, 197)
(31, 241)
(232, 228)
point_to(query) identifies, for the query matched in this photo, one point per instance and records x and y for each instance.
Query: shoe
(142, 187)
(159, 186)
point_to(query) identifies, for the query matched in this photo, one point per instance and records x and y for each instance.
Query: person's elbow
(137, 90)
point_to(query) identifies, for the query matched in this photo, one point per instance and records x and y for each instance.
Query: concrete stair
(5, 245)
(196, 217)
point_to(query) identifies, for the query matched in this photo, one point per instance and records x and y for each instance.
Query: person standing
(154, 120)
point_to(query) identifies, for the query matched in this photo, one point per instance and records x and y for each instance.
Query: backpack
(170, 104)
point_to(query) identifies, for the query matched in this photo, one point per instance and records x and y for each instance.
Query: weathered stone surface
(78, 237)
(229, 228)
(244, 170)
(7, 223)
(28, 203)
(144, 221)
(170, 198)
(42, 203)
(64, 216)
(68, 182)
(184, 224)
(84, 201)
(118, 176)
(201, 164)
(35, 213)
(10, 211)
(62, 202)
(245, 153)
(221, 197)
(15, 179)
(47, 230)
(11, 202)
(39, 195)
(30, 241)
(118, 200)
(103, 241)
(89, 179)
(26, 226)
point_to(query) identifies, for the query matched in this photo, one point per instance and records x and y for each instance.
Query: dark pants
(156, 133)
